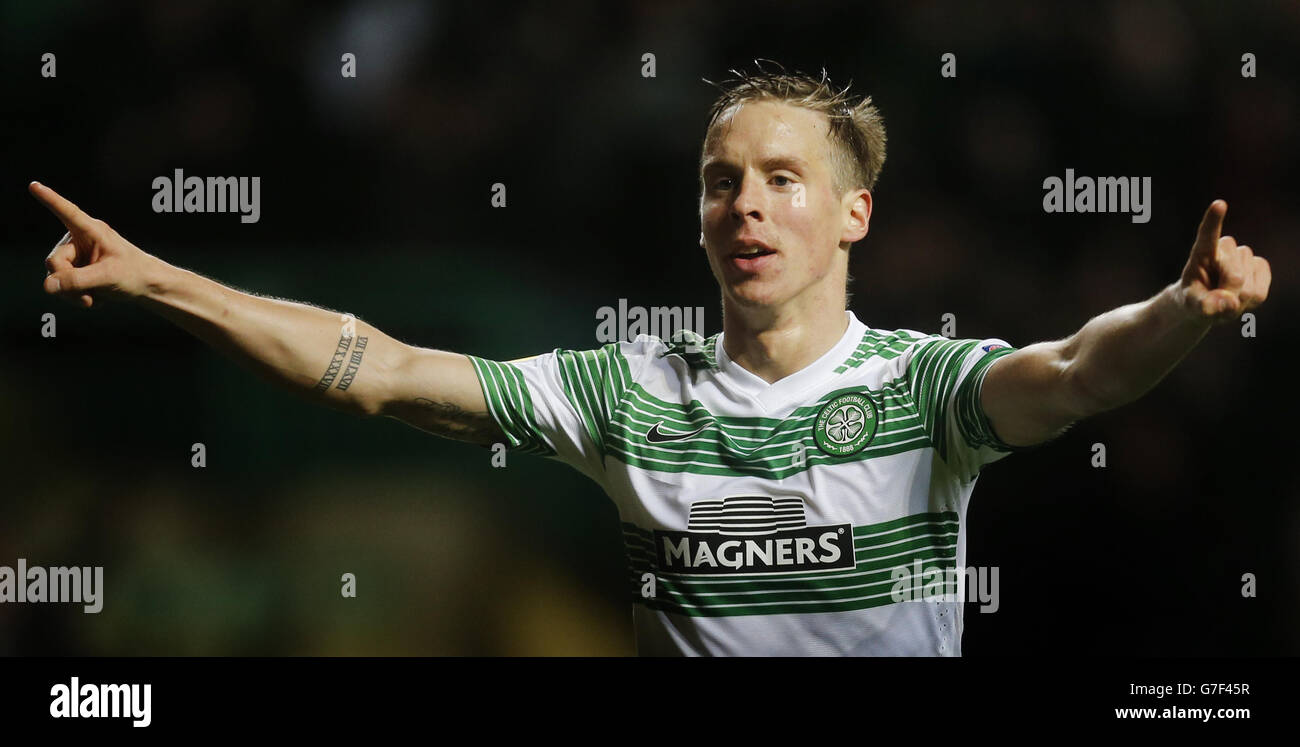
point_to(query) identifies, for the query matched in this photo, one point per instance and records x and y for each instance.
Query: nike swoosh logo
(656, 436)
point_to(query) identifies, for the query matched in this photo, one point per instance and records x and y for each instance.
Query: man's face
(768, 185)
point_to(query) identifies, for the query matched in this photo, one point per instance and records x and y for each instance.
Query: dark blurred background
(375, 200)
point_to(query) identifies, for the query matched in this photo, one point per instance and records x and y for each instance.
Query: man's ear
(857, 216)
(701, 239)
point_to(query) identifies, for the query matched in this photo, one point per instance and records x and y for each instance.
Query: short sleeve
(945, 377)
(558, 404)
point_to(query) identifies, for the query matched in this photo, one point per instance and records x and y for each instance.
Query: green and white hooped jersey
(769, 519)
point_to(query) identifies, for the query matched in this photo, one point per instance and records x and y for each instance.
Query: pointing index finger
(1207, 236)
(71, 215)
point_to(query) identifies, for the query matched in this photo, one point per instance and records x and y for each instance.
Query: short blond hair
(857, 132)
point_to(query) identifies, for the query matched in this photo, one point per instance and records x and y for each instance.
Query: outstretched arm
(1035, 393)
(329, 357)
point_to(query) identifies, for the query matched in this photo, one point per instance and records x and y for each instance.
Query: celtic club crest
(846, 424)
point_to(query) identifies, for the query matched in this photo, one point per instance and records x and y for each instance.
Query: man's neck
(774, 343)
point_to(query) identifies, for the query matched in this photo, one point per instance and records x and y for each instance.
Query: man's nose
(748, 202)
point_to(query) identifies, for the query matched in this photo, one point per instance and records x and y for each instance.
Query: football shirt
(773, 519)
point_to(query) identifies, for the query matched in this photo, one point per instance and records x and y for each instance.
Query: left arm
(1035, 393)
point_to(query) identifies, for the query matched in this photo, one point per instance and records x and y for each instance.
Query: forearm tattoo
(346, 336)
(345, 342)
(354, 364)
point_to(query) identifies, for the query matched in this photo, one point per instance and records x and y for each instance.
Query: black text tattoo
(354, 364)
(336, 362)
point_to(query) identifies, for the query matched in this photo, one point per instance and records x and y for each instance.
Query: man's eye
(781, 181)
(723, 183)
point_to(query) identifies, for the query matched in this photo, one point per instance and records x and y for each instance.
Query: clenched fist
(1222, 279)
(92, 261)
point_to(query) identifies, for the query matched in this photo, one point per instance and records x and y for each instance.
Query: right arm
(327, 357)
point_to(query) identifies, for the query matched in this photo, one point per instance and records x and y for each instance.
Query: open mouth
(752, 252)
(746, 252)
(751, 256)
